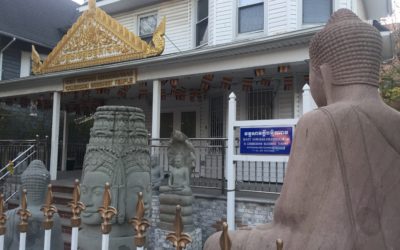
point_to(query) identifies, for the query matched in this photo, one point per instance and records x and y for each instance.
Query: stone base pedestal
(161, 243)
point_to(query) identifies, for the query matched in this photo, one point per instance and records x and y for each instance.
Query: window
(251, 15)
(166, 124)
(202, 22)
(147, 26)
(216, 116)
(259, 104)
(188, 124)
(316, 11)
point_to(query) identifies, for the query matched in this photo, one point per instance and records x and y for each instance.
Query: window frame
(197, 22)
(237, 18)
(139, 17)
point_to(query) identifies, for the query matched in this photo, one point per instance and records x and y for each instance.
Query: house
(255, 48)
(25, 23)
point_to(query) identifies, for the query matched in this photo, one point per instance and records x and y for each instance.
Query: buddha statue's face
(92, 189)
(137, 182)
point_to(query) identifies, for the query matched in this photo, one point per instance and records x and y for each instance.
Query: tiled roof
(41, 21)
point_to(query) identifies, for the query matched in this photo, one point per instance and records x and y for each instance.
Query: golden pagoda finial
(92, 5)
(279, 244)
(36, 62)
(76, 205)
(106, 211)
(139, 223)
(224, 241)
(48, 209)
(179, 239)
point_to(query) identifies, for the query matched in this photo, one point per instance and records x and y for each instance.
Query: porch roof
(261, 47)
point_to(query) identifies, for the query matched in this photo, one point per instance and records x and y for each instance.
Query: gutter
(1, 56)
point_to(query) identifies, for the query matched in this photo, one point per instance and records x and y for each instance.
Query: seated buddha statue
(342, 186)
(177, 191)
(35, 180)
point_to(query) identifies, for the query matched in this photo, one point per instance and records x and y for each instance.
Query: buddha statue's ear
(328, 80)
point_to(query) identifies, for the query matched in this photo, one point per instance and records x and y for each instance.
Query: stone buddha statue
(35, 180)
(342, 187)
(117, 153)
(178, 192)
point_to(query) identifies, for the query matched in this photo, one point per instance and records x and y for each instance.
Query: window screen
(316, 11)
(202, 22)
(251, 16)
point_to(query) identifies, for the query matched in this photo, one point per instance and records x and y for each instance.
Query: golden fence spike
(23, 213)
(279, 244)
(3, 217)
(76, 205)
(179, 239)
(224, 240)
(139, 223)
(48, 209)
(106, 211)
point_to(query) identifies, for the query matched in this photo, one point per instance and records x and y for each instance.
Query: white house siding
(342, 4)
(178, 26)
(277, 16)
(359, 8)
(224, 21)
(211, 20)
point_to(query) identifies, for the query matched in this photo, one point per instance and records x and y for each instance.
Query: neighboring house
(255, 48)
(25, 23)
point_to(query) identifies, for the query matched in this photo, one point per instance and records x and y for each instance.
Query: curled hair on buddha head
(351, 47)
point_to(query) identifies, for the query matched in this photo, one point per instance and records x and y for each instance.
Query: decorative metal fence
(15, 156)
(178, 238)
(209, 171)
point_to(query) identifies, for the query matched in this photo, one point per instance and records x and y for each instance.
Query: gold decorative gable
(96, 38)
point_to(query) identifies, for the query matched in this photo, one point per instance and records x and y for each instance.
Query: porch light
(206, 82)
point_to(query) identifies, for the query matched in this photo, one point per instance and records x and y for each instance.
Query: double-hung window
(202, 22)
(316, 11)
(250, 16)
(147, 26)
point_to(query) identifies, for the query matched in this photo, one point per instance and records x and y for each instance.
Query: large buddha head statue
(118, 154)
(347, 51)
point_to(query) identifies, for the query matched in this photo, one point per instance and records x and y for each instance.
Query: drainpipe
(1, 56)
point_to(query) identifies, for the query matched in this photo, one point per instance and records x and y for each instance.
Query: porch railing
(15, 156)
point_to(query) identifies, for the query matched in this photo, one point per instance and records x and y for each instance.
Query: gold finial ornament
(76, 205)
(106, 211)
(3, 217)
(224, 240)
(139, 223)
(36, 61)
(279, 244)
(48, 209)
(23, 213)
(179, 239)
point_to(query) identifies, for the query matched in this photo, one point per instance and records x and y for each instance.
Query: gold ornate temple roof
(96, 38)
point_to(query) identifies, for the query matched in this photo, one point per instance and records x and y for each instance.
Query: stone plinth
(161, 243)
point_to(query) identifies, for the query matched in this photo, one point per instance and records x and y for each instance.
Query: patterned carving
(96, 38)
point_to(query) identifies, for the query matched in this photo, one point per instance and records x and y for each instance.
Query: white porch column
(155, 119)
(65, 143)
(230, 166)
(55, 126)
(308, 101)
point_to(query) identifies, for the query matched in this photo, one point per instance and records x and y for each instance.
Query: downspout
(1, 56)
